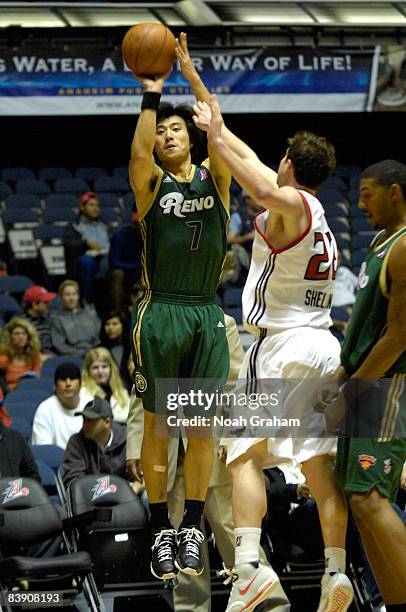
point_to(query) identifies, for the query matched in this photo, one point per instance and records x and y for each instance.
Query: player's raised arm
(142, 165)
(264, 190)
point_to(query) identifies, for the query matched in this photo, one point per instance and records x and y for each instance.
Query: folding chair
(28, 518)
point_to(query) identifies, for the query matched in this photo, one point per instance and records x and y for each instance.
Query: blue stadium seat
(5, 189)
(354, 182)
(109, 200)
(110, 216)
(360, 224)
(339, 313)
(361, 241)
(50, 365)
(15, 283)
(358, 257)
(121, 171)
(343, 240)
(47, 476)
(90, 173)
(50, 454)
(347, 171)
(339, 225)
(336, 209)
(23, 426)
(17, 174)
(353, 198)
(34, 186)
(235, 312)
(49, 233)
(129, 200)
(56, 200)
(329, 196)
(20, 218)
(21, 409)
(52, 173)
(27, 394)
(35, 384)
(232, 296)
(115, 184)
(60, 215)
(126, 215)
(21, 201)
(9, 307)
(336, 183)
(71, 185)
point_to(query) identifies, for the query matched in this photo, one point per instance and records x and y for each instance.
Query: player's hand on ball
(202, 116)
(185, 61)
(155, 84)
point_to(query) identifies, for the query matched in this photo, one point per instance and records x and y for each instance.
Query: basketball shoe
(248, 593)
(336, 593)
(164, 554)
(189, 559)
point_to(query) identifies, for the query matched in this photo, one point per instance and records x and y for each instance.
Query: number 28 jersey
(293, 286)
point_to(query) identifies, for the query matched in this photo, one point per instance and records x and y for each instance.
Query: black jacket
(16, 458)
(83, 457)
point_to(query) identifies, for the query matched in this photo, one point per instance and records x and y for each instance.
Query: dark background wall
(105, 140)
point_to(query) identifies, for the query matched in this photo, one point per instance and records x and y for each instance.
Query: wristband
(150, 100)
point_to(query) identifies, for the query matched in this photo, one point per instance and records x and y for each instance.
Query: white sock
(335, 560)
(247, 545)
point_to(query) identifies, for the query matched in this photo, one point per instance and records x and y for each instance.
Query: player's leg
(337, 592)
(254, 581)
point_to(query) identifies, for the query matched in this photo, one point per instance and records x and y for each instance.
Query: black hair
(386, 173)
(196, 136)
(119, 314)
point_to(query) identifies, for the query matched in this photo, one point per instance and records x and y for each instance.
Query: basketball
(149, 49)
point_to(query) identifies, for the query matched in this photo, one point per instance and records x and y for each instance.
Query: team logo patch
(203, 174)
(103, 487)
(140, 382)
(15, 489)
(387, 466)
(382, 254)
(366, 461)
(167, 179)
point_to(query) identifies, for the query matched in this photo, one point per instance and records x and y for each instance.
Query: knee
(366, 505)
(200, 444)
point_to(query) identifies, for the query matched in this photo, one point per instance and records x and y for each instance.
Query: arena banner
(93, 82)
(389, 79)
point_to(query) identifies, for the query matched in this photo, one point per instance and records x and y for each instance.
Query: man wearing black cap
(99, 447)
(54, 420)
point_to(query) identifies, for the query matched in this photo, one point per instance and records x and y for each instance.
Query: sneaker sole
(188, 570)
(264, 591)
(340, 600)
(164, 576)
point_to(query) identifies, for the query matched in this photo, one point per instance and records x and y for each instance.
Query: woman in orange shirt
(19, 351)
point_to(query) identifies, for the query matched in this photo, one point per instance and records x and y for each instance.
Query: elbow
(263, 195)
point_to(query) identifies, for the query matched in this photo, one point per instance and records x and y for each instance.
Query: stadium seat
(126, 215)
(47, 477)
(21, 409)
(23, 426)
(50, 454)
(121, 171)
(328, 196)
(15, 283)
(114, 184)
(339, 225)
(33, 384)
(16, 174)
(5, 190)
(34, 186)
(27, 394)
(29, 517)
(360, 224)
(53, 260)
(2, 232)
(58, 200)
(22, 244)
(52, 173)
(61, 215)
(9, 307)
(20, 218)
(235, 312)
(71, 185)
(336, 183)
(129, 200)
(48, 369)
(110, 216)
(347, 171)
(49, 233)
(361, 241)
(339, 313)
(358, 257)
(23, 201)
(232, 296)
(109, 200)
(335, 209)
(90, 173)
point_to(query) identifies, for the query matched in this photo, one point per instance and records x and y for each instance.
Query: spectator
(16, 459)
(54, 420)
(19, 352)
(241, 229)
(346, 283)
(115, 336)
(87, 245)
(36, 300)
(101, 378)
(100, 445)
(74, 330)
(125, 261)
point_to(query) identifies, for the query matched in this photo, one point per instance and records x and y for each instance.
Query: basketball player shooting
(179, 329)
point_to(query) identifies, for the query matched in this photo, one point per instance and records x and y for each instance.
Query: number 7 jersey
(185, 236)
(293, 286)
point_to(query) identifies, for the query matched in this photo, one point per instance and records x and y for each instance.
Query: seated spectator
(101, 378)
(19, 352)
(74, 330)
(54, 420)
(100, 445)
(36, 303)
(87, 245)
(115, 336)
(125, 261)
(16, 458)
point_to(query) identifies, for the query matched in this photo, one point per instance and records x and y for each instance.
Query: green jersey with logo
(185, 236)
(369, 316)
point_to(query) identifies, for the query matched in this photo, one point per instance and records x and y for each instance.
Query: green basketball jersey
(185, 236)
(368, 318)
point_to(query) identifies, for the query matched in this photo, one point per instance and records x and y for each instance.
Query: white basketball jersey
(293, 286)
